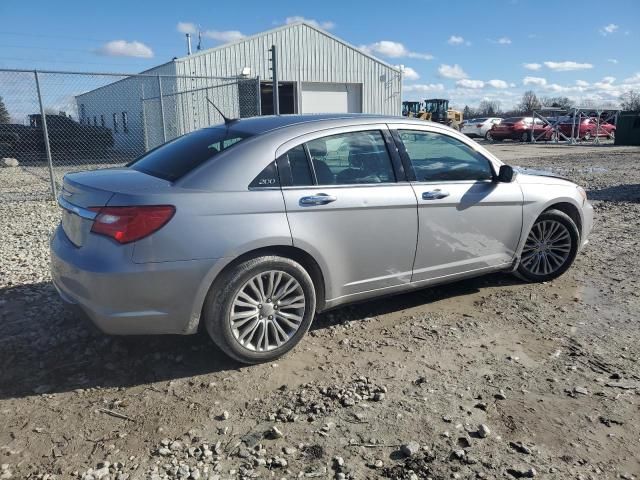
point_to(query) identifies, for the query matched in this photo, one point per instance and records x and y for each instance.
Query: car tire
(488, 137)
(229, 297)
(525, 137)
(587, 136)
(547, 256)
(612, 135)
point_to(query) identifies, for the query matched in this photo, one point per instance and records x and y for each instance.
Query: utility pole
(274, 76)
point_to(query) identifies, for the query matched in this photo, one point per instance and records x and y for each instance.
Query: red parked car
(588, 127)
(520, 128)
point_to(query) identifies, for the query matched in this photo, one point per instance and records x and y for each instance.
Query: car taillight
(128, 224)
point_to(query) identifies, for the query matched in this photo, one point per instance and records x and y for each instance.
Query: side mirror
(506, 174)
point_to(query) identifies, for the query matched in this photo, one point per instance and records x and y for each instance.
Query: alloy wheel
(547, 248)
(267, 311)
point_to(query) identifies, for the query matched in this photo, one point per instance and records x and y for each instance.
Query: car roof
(264, 124)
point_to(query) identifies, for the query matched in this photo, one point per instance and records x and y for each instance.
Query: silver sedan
(249, 229)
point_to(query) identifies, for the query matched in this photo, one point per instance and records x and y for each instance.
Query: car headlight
(582, 193)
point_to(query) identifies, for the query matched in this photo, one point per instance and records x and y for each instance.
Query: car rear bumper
(126, 298)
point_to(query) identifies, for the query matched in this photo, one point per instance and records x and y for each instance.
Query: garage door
(331, 98)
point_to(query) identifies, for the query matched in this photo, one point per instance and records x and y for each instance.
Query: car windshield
(180, 156)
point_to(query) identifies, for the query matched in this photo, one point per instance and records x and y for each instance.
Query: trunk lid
(85, 190)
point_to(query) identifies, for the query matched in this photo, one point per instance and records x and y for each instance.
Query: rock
(410, 449)
(581, 390)
(378, 397)
(348, 402)
(274, 433)
(500, 395)
(175, 446)
(378, 463)
(9, 163)
(279, 462)
(520, 447)
(164, 451)
(339, 461)
(224, 416)
(483, 431)
(522, 472)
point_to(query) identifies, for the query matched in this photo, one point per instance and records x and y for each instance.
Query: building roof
(285, 27)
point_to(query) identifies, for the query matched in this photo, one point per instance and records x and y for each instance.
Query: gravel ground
(486, 378)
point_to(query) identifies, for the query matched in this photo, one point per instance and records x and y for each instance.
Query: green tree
(4, 113)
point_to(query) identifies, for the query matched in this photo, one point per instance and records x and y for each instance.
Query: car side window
(351, 158)
(295, 167)
(268, 178)
(437, 157)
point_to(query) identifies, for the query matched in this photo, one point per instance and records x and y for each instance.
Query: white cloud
(612, 60)
(539, 81)
(466, 83)
(634, 79)
(582, 83)
(452, 71)
(424, 87)
(502, 41)
(608, 79)
(609, 29)
(122, 48)
(326, 25)
(225, 36)
(532, 66)
(455, 40)
(498, 84)
(187, 27)
(390, 49)
(408, 73)
(567, 66)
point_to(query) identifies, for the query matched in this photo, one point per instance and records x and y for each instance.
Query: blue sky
(463, 50)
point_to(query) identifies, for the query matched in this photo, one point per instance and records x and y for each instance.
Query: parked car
(586, 128)
(520, 128)
(65, 135)
(250, 228)
(479, 127)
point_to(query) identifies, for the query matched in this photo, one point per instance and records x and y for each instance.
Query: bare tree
(563, 103)
(488, 108)
(4, 113)
(630, 100)
(529, 102)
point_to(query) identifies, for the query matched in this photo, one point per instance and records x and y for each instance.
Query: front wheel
(260, 309)
(550, 248)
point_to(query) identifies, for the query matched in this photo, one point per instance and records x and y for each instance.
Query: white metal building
(317, 73)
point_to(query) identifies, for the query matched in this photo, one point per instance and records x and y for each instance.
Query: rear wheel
(260, 309)
(550, 248)
(587, 136)
(488, 137)
(611, 135)
(525, 137)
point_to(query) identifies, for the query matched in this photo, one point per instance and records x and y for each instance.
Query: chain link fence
(52, 123)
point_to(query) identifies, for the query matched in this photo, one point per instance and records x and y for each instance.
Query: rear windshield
(512, 120)
(180, 156)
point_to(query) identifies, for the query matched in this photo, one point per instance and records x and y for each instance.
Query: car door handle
(319, 199)
(434, 194)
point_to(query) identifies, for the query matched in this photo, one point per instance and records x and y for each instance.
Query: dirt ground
(486, 378)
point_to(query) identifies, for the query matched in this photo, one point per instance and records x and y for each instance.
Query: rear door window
(175, 159)
(351, 158)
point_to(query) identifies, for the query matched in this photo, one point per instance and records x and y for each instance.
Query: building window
(125, 122)
(115, 123)
(102, 120)
(82, 113)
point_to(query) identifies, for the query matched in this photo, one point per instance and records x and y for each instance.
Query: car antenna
(227, 120)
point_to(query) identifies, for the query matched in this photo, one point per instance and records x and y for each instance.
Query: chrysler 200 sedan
(250, 228)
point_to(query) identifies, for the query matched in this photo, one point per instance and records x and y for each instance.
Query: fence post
(258, 99)
(164, 130)
(45, 134)
(274, 74)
